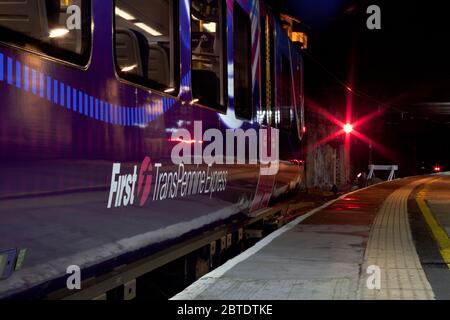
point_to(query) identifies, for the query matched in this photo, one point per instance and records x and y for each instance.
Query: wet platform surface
(399, 229)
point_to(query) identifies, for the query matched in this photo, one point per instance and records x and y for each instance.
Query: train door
(266, 113)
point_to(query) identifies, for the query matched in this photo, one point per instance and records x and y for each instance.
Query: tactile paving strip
(391, 248)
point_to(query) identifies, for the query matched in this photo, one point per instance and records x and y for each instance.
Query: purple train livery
(128, 127)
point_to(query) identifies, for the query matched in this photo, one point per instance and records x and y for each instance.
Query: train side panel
(87, 173)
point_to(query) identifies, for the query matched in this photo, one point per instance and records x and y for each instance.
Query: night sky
(402, 69)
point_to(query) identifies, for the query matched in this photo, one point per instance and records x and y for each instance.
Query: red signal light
(437, 169)
(348, 128)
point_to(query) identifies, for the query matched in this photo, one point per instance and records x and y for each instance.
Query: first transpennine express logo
(123, 186)
(198, 165)
(145, 181)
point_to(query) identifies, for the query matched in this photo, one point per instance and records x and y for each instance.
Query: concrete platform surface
(358, 247)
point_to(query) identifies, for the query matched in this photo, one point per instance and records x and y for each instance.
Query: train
(128, 126)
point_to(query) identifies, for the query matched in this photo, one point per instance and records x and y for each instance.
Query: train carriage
(96, 96)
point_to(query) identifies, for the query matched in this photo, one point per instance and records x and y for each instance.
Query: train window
(267, 70)
(209, 52)
(242, 44)
(57, 28)
(286, 107)
(146, 36)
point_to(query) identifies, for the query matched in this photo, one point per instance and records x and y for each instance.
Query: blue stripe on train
(18, 74)
(69, 98)
(86, 104)
(101, 110)
(34, 81)
(80, 102)
(49, 88)
(55, 92)
(41, 85)
(105, 104)
(62, 90)
(2, 61)
(91, 106)
(26, 78)
(74, 99)
(111, 113)
(74, 95)
(96, 109)
(10, 67)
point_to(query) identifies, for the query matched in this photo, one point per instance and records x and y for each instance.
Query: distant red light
(296, 161)
(348, 128)
(437, 169)
(186, 141)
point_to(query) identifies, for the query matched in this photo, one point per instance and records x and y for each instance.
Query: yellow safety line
(439, 233)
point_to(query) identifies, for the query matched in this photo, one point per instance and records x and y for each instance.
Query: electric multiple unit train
(129, 125)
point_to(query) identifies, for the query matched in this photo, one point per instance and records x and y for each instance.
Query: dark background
(402, 69)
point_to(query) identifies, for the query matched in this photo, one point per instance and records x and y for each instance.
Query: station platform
(388, 241)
